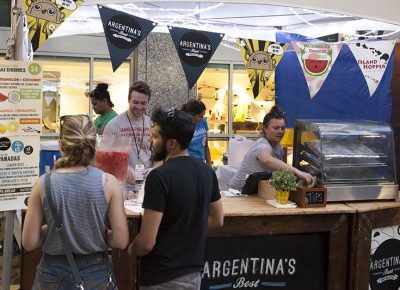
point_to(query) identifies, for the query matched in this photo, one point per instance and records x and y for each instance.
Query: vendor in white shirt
(266, 154)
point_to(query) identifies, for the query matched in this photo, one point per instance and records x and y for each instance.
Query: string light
(188, 17)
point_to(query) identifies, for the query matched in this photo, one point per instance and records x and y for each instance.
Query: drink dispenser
(112, 155)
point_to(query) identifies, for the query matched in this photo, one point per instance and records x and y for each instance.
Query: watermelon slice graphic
(316, 67)
(315, 64)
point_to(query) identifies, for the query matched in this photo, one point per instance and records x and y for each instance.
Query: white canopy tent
(251, 19)
(383, 10)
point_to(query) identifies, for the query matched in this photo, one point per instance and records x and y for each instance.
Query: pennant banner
(343, 96)
(260, 58)
(45, 16)
(124, 32)
(195, 49)
(316, 60)
(372, 58)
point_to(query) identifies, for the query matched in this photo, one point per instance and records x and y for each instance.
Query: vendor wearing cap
(266, 154)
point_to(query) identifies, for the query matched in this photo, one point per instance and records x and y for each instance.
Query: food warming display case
(354, 160)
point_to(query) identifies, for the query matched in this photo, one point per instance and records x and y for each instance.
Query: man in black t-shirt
(181, 199)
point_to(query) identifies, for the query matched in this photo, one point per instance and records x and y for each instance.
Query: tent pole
(16, 45)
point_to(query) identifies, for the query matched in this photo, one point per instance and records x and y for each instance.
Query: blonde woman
(86, 199)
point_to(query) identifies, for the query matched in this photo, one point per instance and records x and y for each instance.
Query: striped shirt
(80, 201)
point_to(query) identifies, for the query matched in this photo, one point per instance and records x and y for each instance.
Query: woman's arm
(118, 235)
(33, 232)
(207, 152)
(274, 163)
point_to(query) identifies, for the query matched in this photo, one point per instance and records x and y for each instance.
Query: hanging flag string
(10, 43)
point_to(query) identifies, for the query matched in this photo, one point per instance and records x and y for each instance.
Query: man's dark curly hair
(174, 124)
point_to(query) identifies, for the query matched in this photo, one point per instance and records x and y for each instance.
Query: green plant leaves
(283, 179)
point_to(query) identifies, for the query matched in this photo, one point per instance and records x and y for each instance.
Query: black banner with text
(123, 33)
(195, 49)
(292, 262)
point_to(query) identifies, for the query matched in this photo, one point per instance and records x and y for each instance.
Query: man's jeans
(188, 282)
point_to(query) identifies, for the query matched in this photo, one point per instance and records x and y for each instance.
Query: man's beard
(159, 154)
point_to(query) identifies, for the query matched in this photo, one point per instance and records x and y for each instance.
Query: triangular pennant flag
(261, 59)
(195, 49)
(316, 60)
(372, 58)
(45, 16)
(123, 32)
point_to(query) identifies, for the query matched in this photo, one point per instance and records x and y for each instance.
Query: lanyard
(134, 136)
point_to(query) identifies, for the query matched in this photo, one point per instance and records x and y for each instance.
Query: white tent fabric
(250, 19)
(381, 10)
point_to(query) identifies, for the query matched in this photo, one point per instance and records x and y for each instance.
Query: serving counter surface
(254, 205)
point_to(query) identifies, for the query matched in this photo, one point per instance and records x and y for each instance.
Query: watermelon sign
(316, 60)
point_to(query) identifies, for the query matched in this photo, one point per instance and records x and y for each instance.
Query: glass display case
(354, 160)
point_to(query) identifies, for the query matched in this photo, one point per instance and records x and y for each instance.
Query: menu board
(19, 159)
(20, 98)
(20, 128)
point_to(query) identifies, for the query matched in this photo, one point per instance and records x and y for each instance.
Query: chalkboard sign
(309, 197)
(314, 197)
(290, 262)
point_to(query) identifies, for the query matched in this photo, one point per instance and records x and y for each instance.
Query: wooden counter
(318, 235)
(288, 229)
(250, 217)
(375, 236)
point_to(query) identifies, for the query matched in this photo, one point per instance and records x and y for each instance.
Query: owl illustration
(260, 60)
(46, 11)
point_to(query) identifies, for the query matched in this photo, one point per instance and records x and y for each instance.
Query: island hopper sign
(195, 49)
(372, 58)
(123, 32)
(384, 273)
(294, 262)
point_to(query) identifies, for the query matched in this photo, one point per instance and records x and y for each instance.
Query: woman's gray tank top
(81, 203)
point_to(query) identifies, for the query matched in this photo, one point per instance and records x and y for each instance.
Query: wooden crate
(309, 197)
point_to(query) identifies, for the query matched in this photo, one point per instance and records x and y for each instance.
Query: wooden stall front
(259, 245)
(316, 237)
(375, 246)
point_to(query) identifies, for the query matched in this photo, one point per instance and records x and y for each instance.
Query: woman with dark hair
(86, 199)
(266, 154)
(102, 105)
(198, 147)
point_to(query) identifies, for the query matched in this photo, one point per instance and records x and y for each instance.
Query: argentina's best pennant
(195, 49)
(261, 59)
(123, 32)
(45, 16)
(372, 57)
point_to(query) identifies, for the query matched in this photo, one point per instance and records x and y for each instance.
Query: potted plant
(283, 181)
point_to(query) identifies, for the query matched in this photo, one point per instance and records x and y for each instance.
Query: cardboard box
(309, 197)
(265, 190)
